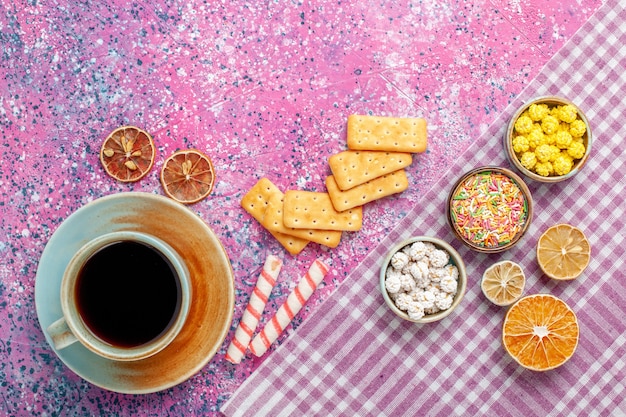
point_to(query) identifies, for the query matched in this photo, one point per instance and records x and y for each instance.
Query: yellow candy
(543, 153)
(528, 160)
(520, 144)
(549, 124)
(544, 168)
(576, 150)
(538, 111)
(535, 138)
(562, 164)
(563, 139)
(577, 128)
(567, 113)
(555, 151)
(523, 124)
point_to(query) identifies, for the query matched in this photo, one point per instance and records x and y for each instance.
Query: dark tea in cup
(125, 296)
(128, 293)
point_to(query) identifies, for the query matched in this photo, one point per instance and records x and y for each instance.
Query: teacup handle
(61, 334)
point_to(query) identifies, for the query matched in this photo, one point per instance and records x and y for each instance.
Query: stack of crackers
(379, 148)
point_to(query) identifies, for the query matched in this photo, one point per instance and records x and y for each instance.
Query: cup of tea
(125, 296)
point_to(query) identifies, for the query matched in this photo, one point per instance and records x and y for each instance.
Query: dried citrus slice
(188, 176)
(503, 283)
(540, 332)
(127, 154)
(563, 252)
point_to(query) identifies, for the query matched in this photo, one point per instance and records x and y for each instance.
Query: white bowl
(455, 259)
(551, 101)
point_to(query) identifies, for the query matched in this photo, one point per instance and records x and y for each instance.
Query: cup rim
(523, 188)
(82, 332)
(512, 158)
(455, 257)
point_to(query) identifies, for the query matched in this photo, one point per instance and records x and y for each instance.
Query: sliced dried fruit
(188, 176)
(540, 332)
(563, 252)
(127, 154)
(503, 283)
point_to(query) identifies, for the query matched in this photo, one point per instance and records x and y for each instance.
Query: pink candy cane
(286, 312)
(252, 313)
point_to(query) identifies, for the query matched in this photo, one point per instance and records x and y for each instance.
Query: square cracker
(375, 189)
(255, 202)
(314, 210)
(395, 134)
(352, 168)
(273, 221)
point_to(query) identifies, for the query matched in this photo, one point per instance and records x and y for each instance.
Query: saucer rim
(55, 257)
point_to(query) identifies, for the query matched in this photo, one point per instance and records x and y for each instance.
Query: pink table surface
(265, 90)
(353, 356)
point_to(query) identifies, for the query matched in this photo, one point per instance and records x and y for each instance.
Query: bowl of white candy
(423, 279)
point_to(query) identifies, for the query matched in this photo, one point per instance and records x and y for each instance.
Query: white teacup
(125, 296)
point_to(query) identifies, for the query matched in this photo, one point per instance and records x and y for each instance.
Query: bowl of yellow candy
(548, 139)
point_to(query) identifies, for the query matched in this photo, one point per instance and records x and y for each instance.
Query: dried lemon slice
(540, 332)
(563, 252)
(188, 176)
(127, 154)
(503, 283)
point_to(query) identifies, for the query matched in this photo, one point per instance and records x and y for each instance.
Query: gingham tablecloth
(354, 357)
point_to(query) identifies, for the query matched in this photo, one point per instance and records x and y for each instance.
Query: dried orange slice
(503, 283)
(127, 154)
(563, 252)
(188, 176)
(540, 332)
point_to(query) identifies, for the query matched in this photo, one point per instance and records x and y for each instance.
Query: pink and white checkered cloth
(354, 357)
